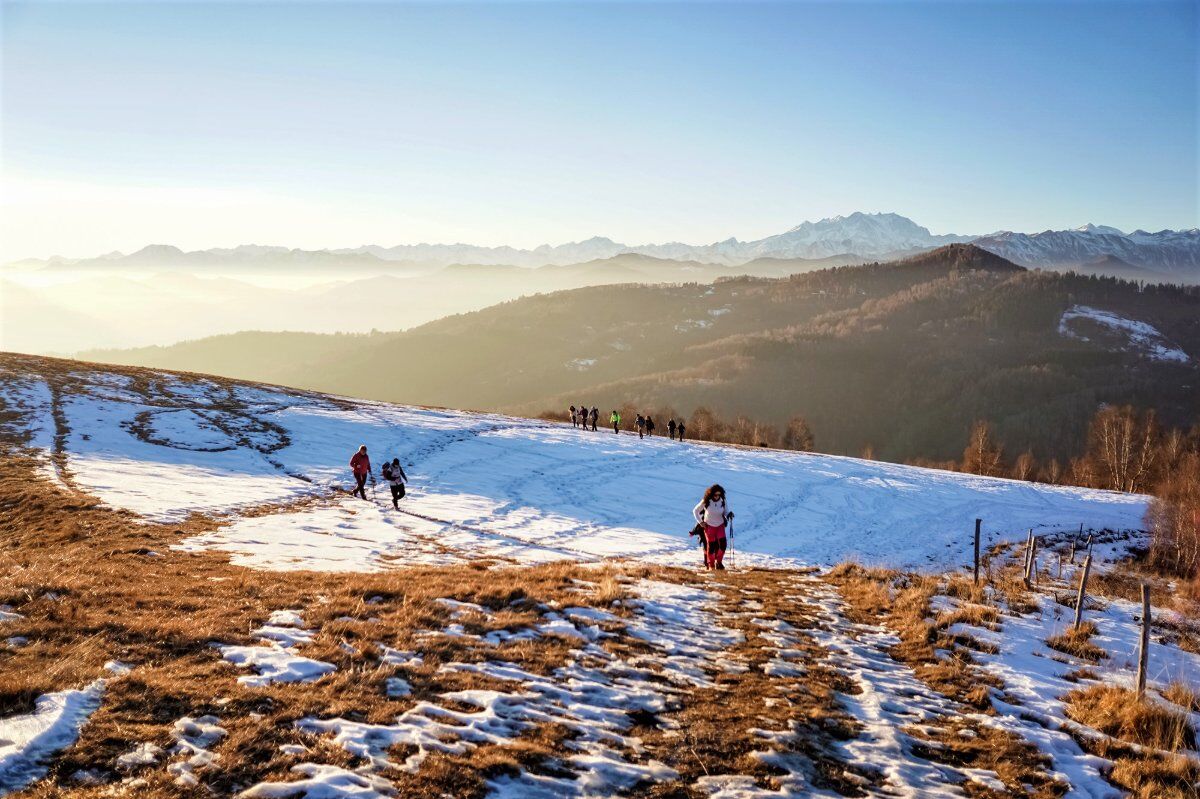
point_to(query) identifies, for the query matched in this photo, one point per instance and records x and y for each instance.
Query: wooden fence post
(1033, 556)
(1144, 648)
(977, 523)
(1030, 560)
(1079, 597)
(1028, 552)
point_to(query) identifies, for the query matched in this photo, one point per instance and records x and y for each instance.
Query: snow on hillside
(1141, 336)
(486, 485)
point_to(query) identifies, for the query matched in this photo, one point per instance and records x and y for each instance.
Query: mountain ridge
(865, 236)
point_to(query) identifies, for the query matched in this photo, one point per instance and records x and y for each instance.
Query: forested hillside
(902, 356)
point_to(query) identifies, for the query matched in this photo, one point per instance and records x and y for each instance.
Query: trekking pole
(731, 546)
(374, 496)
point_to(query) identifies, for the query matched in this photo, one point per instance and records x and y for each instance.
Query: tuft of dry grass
(1183, 695)
(1077, 642)
(1119, 713)
(1079, 675)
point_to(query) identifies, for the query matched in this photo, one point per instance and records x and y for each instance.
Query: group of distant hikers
(714, 520)
(581, 416)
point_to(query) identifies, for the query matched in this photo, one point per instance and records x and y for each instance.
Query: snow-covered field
(530, 491)
(628, 666)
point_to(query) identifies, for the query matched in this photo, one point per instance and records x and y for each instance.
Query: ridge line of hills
(900, 356)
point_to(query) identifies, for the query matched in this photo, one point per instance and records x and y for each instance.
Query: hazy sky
(337, 124)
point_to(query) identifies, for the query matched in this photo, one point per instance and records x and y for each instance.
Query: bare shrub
(1174, 520)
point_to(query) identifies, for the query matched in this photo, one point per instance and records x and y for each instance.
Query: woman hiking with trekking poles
(713, 515)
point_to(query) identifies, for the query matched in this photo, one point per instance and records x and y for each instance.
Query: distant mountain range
(902, 356)
(1167, 255)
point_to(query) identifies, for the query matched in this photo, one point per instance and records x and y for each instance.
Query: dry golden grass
(1077, 642)
(714, 726)
(1161, 772)
(1183, 695)
(1164, 777)
(973, 615)
(906, 611)
(901, 602)
(1020, 766)
(1119, 713)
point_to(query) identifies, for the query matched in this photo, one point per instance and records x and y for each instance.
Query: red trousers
(714, 553)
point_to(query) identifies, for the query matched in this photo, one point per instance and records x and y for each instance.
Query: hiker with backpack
(640, 421)
(595, 417)
(714, 514)
(574, 417)
(360, 466)
(615, 418)
(394, 473)
(649, 425)
(671, 427)
(681, 430)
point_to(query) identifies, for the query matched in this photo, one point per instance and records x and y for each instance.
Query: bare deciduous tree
(1122, 446)
(982, 455)
(798, 435)
(1024, 466)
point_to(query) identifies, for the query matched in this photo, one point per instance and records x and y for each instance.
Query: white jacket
(713, 514)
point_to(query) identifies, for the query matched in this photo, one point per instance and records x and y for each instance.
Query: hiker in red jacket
(360, 464)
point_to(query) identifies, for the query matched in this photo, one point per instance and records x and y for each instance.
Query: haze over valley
(162, 295)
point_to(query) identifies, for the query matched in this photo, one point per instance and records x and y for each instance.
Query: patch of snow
(142, 755)
(397, 687)
(274, 664)
(319, 781)
(194, 737)
(277, 661)
(1142, 336)
(286, 618)
(28, 741)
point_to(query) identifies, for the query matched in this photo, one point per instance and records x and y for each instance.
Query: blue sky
(335, 124)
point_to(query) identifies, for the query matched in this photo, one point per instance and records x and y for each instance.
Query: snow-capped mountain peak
(1105, 230)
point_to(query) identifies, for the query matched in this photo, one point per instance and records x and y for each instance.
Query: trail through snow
(524, 490)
